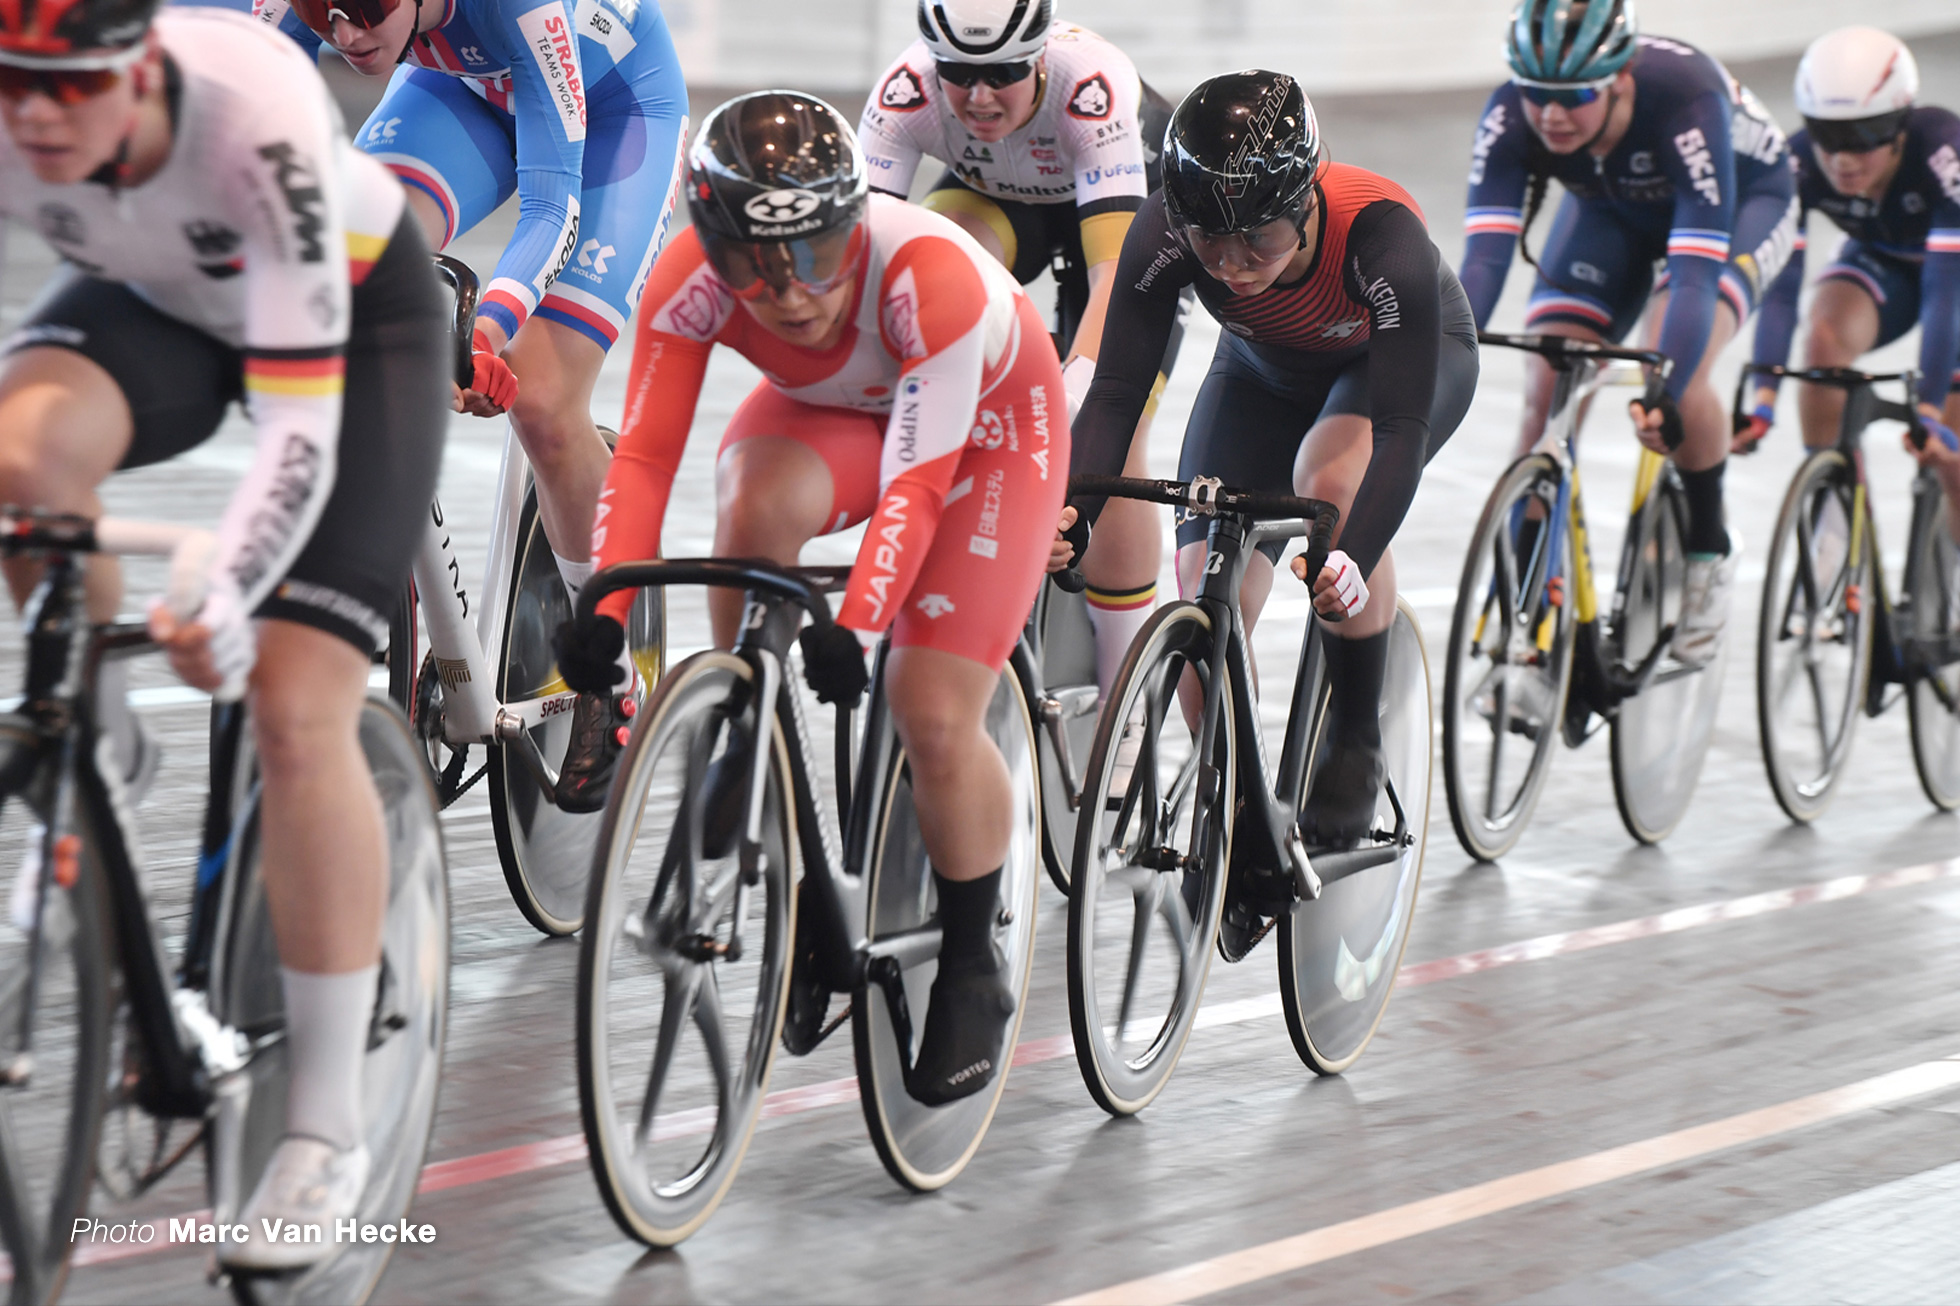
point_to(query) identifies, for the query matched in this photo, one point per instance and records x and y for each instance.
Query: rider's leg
(64, 426)
(773, 495)
(556, 370)
(323, 858)
(1121, 567)
(1844, 326)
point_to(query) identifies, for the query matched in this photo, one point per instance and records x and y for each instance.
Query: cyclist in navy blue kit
(1663, 156)
(1887, 172)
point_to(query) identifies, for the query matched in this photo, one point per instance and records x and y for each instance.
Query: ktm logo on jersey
(1092, 99)
(902, 91)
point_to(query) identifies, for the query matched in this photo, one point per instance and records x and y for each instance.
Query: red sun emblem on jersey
(901, 91)
(1092, 99)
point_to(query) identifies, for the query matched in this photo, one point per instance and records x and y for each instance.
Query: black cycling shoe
(601, 725)
(965, 1041)
(1340, 810)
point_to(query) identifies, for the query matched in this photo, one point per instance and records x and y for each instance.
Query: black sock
(967, 912)
(1706, 532)
(1355, 671)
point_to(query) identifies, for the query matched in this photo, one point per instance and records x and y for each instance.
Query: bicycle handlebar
(1847, 379)
(1206, 496)
(1568, 352)
(804, 586)
(1844, 378)
(463, 325)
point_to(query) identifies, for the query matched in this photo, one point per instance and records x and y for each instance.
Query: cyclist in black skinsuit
(1348, 358)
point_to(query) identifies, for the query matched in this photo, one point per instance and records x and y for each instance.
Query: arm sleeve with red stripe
(661, 393)
(945, 357)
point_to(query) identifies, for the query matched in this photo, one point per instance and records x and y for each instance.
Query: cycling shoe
(965, 1044)
(1340, 810)
(601, 725)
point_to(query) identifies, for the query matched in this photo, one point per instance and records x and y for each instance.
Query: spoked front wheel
(684, 967)
(926, 1147)
(1814, 635)
(1661, 734)
(406, 1028)
(1148, 882)
(1339, 954)
(547, 853)
(1510, 660)
(1933, 645)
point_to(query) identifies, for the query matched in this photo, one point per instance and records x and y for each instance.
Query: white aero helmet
(1856, 72)
(985, 31)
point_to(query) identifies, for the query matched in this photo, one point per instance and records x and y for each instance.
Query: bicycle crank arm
(511, 729)
(1625, 686)
(906, 950)
(1057, 710)
(1333, 867)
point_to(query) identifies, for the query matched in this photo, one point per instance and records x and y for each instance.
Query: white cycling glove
(234, 643)
(1349, 588)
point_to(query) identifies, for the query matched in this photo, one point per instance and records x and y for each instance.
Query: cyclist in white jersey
(1050, 140)
(218, 233)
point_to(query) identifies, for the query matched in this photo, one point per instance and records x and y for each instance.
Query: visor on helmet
(319, 14)
(818, 264)
(1856, 135)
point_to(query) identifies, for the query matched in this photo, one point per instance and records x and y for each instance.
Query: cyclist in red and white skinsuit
(908, 381)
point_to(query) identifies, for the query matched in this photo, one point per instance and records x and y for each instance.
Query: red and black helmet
(73, 34)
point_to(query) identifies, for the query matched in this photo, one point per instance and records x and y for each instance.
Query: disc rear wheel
(1932, 619)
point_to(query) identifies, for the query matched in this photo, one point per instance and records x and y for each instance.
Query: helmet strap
(1612, 104)
(414, 30)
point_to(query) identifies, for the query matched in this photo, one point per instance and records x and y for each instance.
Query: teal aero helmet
(1567, 42)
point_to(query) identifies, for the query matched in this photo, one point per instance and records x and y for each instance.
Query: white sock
(327, 1019)
(1116, 616)
(574, 574)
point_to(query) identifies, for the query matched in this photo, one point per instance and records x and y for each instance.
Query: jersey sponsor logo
(1165, 257)
(594, 21)
(1640, 162)
(384, 131)
(884, 557)
(989, 432)
(1945, 165)
(1380, 297)
(567, 246)
(1700, 163)
(293, 173)
(986, 540)
(1111, 171)
(593, 255)
(906, 422)
(935, 606)
(902, 91)
(1912, 202)
(1038, 409)
(1489, 132)
(1341, 330)
(1587, 272)
(1753, 132)
(699, 310)
(272, 524)
(555, 51)
(982, 155)
(61, 225)
(1091, 99)
(211, 239)
(900, 320)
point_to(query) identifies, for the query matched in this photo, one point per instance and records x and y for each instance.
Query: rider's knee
(769, 490)
(1828, 344)
(938, 736)
(548, 418)
(294, 725)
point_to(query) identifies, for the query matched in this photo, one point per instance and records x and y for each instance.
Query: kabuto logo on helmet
(783, 206)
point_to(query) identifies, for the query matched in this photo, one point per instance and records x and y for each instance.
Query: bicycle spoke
(714, 1039)
(682, 982)
(1501, 704)
(1145, 907)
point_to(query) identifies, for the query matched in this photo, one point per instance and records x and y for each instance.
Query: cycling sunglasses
(319, 14)
(996, 75)
(818, 264)
(1565, 97)
(1860, 136)
(66, 86)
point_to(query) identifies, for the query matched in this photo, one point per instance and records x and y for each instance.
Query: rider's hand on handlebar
(1659, 427)
(1339, 592)
(833, 663)
(588, 653)
(493, 386)
(1067, 547)
(213, 650)
(1941, 450)
(1752, 426)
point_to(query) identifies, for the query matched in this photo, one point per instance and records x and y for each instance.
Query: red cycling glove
(491, 376)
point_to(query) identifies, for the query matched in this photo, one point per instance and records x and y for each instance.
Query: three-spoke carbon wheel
(1814, 635)
(1661, 734)
(684, 965)
(1339, 954)
(1510, 660)
(1933, 646)
(1148, 879)
(406, 1028)
(547, 853)
(926, 1147)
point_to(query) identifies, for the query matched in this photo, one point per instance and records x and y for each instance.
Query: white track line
(1287, 1255)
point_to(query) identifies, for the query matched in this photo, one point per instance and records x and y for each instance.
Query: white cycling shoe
(1529, 701)
(1705, 605)
(307, 1184)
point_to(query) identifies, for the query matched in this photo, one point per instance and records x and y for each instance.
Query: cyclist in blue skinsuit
(1663, 156)
(1887, 172)
(580, 108)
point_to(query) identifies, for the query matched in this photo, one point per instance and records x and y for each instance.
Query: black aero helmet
(1242, 150)
(775, 166)
(74, 34)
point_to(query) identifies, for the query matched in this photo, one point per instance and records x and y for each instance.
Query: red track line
(483, 1167)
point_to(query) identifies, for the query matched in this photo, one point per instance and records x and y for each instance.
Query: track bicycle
(1187, 841)
(702, 948)
(1832, 642)
(1533, 656)
(490, 682)
(116, 1065)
